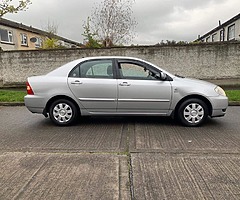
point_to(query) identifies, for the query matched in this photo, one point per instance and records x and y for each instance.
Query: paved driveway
(118, 158)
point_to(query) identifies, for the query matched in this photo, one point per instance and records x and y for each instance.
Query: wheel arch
(50, 101)
(204, 99)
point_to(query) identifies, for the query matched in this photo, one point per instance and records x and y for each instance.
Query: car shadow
(126, 120)
(150, 120)
(153, 120)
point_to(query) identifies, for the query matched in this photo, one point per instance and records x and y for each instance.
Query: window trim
(214, 37)
(92, 60)
(234, 36)
(222, 35)
(22, 35)
(9, 33)
(38, 43)
(148, 66)
(139, 63)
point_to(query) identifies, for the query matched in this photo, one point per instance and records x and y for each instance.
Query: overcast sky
(157, 19)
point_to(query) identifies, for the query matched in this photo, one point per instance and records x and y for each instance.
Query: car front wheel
(63, 112)
(193, 112)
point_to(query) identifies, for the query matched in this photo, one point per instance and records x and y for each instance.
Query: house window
(208, 39)
(214, 37)
(38, 43)
(231, 32)
(6, 36)
(24, 41)
(222, 35)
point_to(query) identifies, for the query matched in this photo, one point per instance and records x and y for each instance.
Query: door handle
(76, 83)
(125, 84)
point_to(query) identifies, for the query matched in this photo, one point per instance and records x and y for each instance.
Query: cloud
(181, 20)
(157, 19)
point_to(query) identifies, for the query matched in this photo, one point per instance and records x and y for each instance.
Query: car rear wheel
(63, 112)
(192, 112)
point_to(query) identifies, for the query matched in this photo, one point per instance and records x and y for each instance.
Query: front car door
(93, 82)
(140, 91)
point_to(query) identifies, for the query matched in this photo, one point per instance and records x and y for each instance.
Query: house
(228, 31)
(17, 36)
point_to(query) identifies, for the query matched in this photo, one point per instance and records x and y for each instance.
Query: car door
(140, 91)
(93, 82)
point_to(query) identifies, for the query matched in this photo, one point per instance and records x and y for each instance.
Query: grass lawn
(12, 96)
(17, 96)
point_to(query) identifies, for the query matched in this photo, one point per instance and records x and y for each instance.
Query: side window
(38, 43)
(6, 36)
(231, 32)
(94, 69)
(24, 39)
(135, 71)
(75, 72)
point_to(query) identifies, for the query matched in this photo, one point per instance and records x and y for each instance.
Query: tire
(192, 112)
(63, 112)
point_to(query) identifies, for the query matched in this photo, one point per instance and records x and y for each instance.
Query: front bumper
(219, 106)
(218, 113)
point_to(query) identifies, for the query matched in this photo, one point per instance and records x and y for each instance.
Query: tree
(90, 40)
(171, 42)
(112, 22)
(51, 40)
(6, 6)
(50, 43)
(51, 28)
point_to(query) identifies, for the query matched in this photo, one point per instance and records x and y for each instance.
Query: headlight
(220, 91)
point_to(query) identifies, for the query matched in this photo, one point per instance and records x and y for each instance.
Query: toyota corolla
(122, 86)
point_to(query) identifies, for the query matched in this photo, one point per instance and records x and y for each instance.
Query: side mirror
(161, 76)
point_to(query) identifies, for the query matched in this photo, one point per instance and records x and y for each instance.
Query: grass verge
(12, 96)
(18, 96)
(233, 95)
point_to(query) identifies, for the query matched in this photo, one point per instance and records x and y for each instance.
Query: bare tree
(112, 22)
(51, 28)
(7, 6)
(51, 40)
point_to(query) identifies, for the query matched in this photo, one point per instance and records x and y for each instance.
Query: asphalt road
(118, 158)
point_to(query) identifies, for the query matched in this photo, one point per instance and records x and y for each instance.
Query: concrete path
(63, 176)
(170, 176)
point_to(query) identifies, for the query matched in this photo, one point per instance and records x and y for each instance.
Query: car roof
(109, 57)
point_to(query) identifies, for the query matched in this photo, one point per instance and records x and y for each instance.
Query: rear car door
(140, 91)
(93, 82)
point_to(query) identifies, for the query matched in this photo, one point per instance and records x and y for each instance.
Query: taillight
(29, 89)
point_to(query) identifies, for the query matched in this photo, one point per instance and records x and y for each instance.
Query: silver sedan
(122, 86)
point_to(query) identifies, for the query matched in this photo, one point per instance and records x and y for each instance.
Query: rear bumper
(35, 110)
(34, 103)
